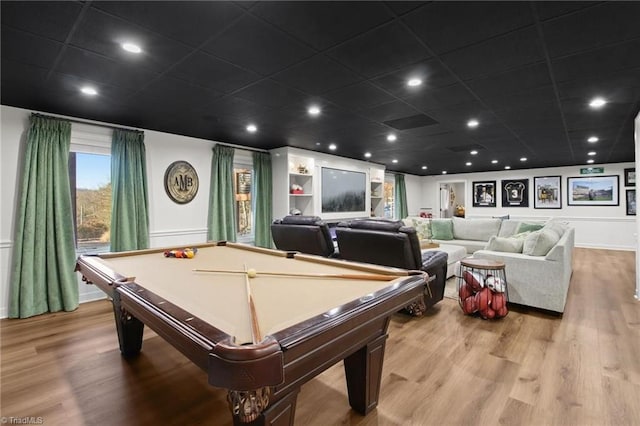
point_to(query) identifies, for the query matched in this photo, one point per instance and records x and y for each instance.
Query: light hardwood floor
(529, 368)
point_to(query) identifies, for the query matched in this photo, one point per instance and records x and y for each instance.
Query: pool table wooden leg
(363, 370)
(130, 329)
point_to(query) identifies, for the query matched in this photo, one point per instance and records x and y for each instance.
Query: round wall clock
(181, 182)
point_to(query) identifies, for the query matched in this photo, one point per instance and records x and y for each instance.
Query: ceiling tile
(381, 50)
(317, 75)
(358, 96)
(50, 19)
(592, 28)
(271, 94)
(432, 73)
(26, 48)
(499, 54)
(447, 26)
(252, 44)
(320, 26)
(104, 34)
(207, 71)
(190, 25)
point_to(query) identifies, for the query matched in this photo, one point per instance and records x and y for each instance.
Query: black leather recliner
(306, 234)
(390, 243)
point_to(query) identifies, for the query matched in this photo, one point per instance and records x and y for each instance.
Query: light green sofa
(539, 279)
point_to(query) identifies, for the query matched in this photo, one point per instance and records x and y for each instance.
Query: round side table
(482, 288)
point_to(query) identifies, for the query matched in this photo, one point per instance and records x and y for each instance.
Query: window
(389, 197)
(90, 176)
(242, 188)
(90, 180)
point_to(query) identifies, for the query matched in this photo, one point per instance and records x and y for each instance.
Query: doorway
(452, 199)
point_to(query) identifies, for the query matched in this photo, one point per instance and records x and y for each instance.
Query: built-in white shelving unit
(376, 179)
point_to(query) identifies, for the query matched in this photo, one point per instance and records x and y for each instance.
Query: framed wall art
(631, 202)
(484, 194)
(630, 177)
(547, 192)
(515, 193)
(593, 191)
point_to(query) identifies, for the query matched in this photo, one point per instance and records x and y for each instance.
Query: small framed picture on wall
(484, 194)
(631, 202)
(547, 192)
(630, 177)
(515, 193)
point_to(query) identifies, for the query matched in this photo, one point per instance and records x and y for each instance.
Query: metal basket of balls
(482, 288)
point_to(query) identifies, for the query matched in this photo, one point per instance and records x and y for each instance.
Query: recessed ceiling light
(424, 167)
(473, 123)
(591, 153)
(591, 161)
(474, 152)
(391, 137)
(367, 155)
(333, 147)
(597, 103)
(507, 167)
(252, 128)
(523, 159)
(394, 161)
(494, 161)
(414, 82)
(444, 172)
(89, 91)
(468, 163)
(314, 110)
(593, 139)
(317, 143)
(131, 47)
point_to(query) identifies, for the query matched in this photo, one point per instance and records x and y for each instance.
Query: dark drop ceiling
(526, 71)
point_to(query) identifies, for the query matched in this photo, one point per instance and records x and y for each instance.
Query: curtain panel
(43, 262)
(402, 210)
(221, 223)
(263, 200)
(130, 205)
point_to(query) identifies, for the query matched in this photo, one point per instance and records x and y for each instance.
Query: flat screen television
(343, 191)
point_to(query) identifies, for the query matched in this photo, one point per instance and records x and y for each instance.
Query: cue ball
(251, 273)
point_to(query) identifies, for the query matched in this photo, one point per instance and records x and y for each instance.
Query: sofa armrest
(534, 280)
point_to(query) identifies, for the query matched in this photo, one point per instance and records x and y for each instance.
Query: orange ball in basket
(483, 298)
(502, 312)
(469, 305)
(488, 313)
(475, 280)
(498, 301)
(465, 291)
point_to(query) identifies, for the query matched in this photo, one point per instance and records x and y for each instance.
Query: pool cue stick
(255, 327)
(371, 277)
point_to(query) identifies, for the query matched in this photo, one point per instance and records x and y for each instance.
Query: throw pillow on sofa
(422, 228)
(505, 244)
(526, 226)
(442, 229)
(539, 243)
(475, 229)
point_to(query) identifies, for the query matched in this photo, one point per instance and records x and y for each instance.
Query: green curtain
(130, 205)
(402, 210)
(221, 223)
(262, 193)
(43, 277)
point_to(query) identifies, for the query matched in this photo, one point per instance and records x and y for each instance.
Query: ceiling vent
(412, 122)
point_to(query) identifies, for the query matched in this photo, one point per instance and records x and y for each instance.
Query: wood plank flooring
(529, 368)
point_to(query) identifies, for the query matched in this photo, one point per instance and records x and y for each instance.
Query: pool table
(261, 337)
